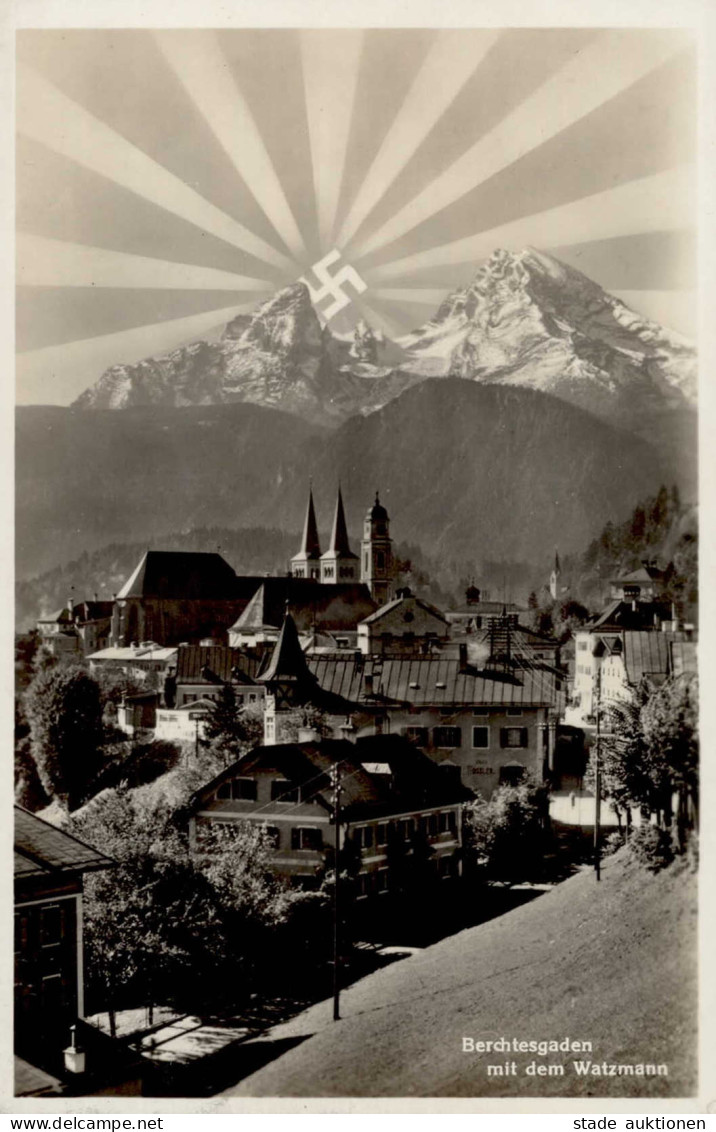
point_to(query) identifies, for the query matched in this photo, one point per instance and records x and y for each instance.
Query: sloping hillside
(611, 963)
(469, 470)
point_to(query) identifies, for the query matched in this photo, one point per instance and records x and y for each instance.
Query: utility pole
(598, 779)
(336, 779)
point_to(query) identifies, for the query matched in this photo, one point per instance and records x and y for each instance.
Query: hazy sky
(167, 180)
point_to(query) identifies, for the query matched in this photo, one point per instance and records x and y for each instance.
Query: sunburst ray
(48, 116)
(75, 365)
(452, 59)
(44, 262)
(562, 100)
(331, 62)
(200, 66)
(662, 201)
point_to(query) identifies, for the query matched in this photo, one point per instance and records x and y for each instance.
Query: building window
(514, 711)
(244, 789)
(480, 711)
(50, 927)
(273, 834)
(379, 561)
(581, 645)
(362, 886)
(480, 738)
(448, 822)
(224, 790)
(305, 837)
(364, 837)
(328, 571)
(513, 737)
(381, 880)
(283, 791)
(417, 735)
(406, 829)
(433, 824)
(381, 834)
(447, 736)
(512, 774)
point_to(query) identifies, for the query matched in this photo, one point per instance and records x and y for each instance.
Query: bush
(651, 847)
(613, 843)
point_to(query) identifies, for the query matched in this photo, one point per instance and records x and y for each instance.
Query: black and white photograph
(356, 479)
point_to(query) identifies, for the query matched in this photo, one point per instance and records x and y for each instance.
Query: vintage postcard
(357, 598)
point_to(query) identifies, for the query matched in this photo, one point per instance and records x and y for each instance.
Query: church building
(339, 564)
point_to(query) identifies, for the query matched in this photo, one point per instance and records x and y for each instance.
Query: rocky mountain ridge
(525, 320)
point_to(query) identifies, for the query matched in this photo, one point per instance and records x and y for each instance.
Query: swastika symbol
(332, 284)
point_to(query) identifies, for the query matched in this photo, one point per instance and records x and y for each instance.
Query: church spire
(310, 546)
(306, 564)
(339, 534)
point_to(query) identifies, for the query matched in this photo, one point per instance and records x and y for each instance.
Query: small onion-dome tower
(377, 553)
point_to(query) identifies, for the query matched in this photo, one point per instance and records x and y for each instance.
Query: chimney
(368, 684)
(348, 731)
(462, 654)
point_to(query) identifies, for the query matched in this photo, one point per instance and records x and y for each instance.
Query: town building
(139, 662)
(49, 980)
(628, 640)
(397, 810)
(491, 724)
(407, 625)
(339, 563)
(77, 629)
(479, 612)
(202, 671)
(177, 596)
(644, 584)
(316, 607)
(377, 553)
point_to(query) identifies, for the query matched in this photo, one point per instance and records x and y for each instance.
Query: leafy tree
(175, 922)
(231, 729)
(650, 752)
(506, 834)
(64, 712)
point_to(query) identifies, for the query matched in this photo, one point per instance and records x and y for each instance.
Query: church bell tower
(377, 553)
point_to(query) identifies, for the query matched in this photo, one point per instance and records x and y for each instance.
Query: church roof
(328, 607)
(339, 547)
(377, 511)
(185, 575)
(310, 545)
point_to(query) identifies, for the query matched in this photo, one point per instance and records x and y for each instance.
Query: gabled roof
(339, 547)
(310, 545)
(186, 575)
(390, 606)
(200, 664)
(62, 615)
(646, 654)
(329, 607)
(622, 615)
(432, 682)
(645, 573)
(42, 849)
(413, 780)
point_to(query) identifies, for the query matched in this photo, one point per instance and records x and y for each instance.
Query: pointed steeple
(305, 564)
(287, 664)
(339, 534)
(310, 546)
